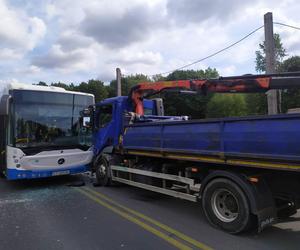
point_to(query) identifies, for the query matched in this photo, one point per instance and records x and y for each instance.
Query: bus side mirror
(4, 104)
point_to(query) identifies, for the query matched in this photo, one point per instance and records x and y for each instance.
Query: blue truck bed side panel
(273, 137)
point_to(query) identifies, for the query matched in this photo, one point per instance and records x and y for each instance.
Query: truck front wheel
(226, 206)
(102, 173)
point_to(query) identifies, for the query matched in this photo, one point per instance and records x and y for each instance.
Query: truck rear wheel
(102, 173)
(226, 206)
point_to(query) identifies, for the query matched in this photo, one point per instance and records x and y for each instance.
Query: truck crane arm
(234, 84)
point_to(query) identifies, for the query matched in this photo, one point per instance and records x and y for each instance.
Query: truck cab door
(104, 124)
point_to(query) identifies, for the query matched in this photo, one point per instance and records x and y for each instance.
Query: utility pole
(272, 95)
(118, 73)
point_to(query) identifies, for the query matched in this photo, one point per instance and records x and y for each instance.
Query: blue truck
(245, 171)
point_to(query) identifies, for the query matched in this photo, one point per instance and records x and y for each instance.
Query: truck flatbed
(258, 141)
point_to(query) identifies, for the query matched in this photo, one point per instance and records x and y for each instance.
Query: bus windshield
(49, 119)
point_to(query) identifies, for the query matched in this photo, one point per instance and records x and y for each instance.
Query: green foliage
(290, 97)
(63, 85)
(41, 84)
(127, 83)
(256, 103)
(95, 87)
(192, 74)
(280, 53)
(291, 64)
(158, 77)
(183, 104)
(226, 105)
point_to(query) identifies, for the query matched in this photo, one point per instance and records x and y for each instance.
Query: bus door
(4, 114)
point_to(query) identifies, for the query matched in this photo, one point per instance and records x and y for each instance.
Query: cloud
(19, 32)
(71, 39)
(65, 40)
(142, 57)
(185, 11)
(28, 70)
(117, 30)
(56, 58)
(9, 54)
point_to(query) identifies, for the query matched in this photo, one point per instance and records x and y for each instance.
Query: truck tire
(102, 173)
(226, 206)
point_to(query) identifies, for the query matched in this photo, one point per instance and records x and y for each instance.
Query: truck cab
(109, 118)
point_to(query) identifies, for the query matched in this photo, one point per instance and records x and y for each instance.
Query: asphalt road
(50, 214)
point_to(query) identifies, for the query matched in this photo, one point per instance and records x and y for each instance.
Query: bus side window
(105, 115)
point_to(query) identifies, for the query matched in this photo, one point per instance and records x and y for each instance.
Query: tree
(158, 77)
(226, 105)
(290, 97)
(62, 85)
(41, 84)
(280, 53)
(291, 64)
(183, 104)
(192, 74)
(257, 103)
(95, 87)
(127, 83)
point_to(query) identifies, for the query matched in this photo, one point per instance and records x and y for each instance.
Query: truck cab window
(105, 115)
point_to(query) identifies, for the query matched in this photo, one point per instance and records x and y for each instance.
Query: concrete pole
(118, 73)
(272, 95)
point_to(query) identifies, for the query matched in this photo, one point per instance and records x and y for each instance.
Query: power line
(287, 25)
(213, 54)
(221, 50)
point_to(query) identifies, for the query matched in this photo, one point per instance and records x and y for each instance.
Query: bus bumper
(16, 174)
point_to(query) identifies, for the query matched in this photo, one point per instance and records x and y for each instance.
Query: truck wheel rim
(225, 205)
(102, 170)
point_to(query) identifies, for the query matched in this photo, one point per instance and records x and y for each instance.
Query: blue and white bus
(41, 134)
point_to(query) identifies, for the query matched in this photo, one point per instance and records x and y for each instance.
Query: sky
(74, 41)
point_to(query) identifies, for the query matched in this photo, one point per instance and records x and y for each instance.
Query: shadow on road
(32, 184)
(189, 215)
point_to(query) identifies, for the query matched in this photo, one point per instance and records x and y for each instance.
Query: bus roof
(24, 86)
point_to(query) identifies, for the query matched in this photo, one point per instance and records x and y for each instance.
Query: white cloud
(70, 39)
(129, 57)
(9, 54)
(185, 11)
(19, 32)
(28, 70)
(70, 61)
(90, 39)
(227, 70)
(52, 10)
(121, 27)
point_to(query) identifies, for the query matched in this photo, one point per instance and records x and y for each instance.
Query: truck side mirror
(86, 122)
(87, 117)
